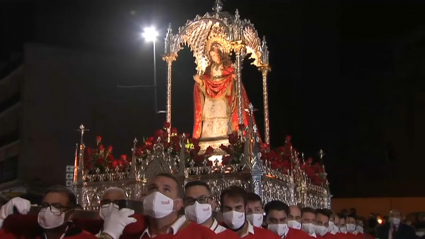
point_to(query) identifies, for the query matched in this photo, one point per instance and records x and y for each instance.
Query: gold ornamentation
(200, 35)
(170, 57)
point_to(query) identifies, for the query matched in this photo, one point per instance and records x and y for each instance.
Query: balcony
(13, 100)
(9, 169)
(9, 138)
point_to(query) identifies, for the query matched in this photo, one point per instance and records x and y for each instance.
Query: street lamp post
(150, 34)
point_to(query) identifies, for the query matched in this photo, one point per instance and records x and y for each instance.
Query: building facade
(10, 122)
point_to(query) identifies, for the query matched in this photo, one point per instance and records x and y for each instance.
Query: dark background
(347, 77)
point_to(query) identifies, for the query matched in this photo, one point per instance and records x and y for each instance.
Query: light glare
(150, 34)
(216, 159)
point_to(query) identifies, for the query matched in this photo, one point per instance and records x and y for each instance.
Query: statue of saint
(215, 98)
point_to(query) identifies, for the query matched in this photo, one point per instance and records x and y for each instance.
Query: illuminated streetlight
(150, 34)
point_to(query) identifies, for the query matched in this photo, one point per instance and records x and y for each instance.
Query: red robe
(192, 231)
(215, 89)
(261, 233)
(227, 234)
(26, 227)
(297, 234)
(328, 236)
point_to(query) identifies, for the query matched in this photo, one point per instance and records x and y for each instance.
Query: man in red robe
(233, 206)
(113, 200)
(351, 224)
(322, 224)
(54, 220)
(277, 221)
(308, 219)
(294, 217)
(199, 208)
(342, 233)
(161, 207)
(254, 211)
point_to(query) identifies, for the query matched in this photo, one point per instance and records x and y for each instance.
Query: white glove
(114, 225)
(21, 204)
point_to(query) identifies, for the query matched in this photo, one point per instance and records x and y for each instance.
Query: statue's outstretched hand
(197, 78)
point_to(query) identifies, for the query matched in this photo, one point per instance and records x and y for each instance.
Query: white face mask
(294, 224)
(332, 228)
(395, 221)
(343, 229)
(359, 229)
(351, 227)
(233, 219)
(279, 229)
(309, 228)
(49, 218)
(198, 213)
(321, 230)
(157, 205)
(255, 219)
(106, 210)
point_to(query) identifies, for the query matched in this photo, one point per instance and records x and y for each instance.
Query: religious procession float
(225, 147)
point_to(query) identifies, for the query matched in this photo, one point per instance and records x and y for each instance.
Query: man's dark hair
(169, 175)
(342, 216)
(233, 192)
(198, 183)
(72, 200)
(307, 209)
(252, 197)
(324, 212)
(352, 215)
(276, 205)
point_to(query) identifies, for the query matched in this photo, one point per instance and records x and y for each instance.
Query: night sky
(334, 85)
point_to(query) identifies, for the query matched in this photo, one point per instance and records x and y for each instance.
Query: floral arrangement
(102, 158)
(313, 171)
(279, 159)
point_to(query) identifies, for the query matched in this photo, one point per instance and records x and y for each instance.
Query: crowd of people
(172, 213)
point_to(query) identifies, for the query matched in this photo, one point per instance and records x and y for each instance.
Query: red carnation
(166, 125)
(310, 160)
(110, 149)
(174, 130)
(89, 166)
(209, 150)
(101, 148)
(199, 158)
(123, 157)
(233, 138)
(226, 160)
(98, 139)
(115, 163)
(99, 161)
(158, 133)
(195, 142)
(176, 147)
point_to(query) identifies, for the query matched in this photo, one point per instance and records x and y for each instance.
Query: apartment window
(9, 169)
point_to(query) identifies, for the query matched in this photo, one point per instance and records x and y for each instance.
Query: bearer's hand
(114, 225)
(22, 205)
(234, 76)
